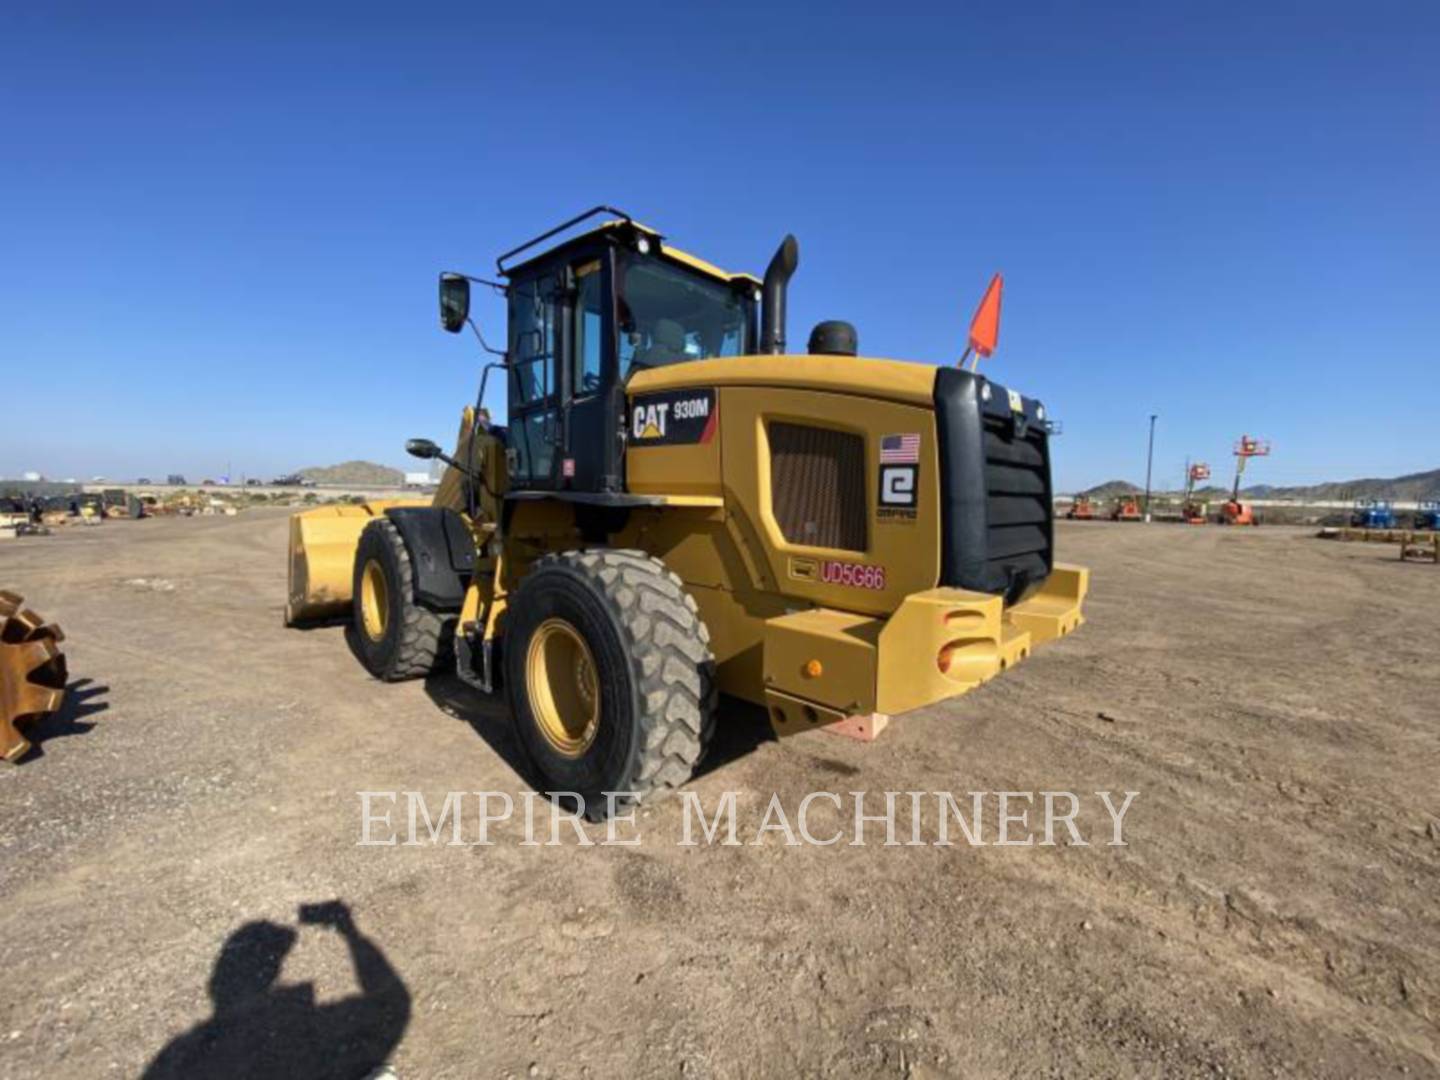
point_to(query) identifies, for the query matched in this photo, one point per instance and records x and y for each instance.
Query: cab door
(590, 459)
(534, 392)
(565, 401)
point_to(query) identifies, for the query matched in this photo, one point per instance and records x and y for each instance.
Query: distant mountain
(1111, 489)
(359, 473)
(1421, 485)
(1412, 486)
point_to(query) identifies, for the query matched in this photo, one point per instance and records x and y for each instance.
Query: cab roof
(616, 226)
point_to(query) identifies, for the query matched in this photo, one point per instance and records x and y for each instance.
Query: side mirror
(454, 302)
(422, 448)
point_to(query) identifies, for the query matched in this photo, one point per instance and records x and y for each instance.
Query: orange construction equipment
(1127, 509)
(1192, 510)
(1080, 509)
(1235, 512)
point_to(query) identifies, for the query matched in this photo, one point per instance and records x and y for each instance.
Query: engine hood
(903, 381)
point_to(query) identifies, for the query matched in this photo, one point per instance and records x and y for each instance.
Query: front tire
(396, 636)
(610, 676)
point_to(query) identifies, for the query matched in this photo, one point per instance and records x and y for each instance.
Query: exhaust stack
(772, 297)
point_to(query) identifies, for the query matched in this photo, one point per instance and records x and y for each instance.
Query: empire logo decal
(673, 418)
(899, 493)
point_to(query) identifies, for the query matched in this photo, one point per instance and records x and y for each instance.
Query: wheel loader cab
(584, 317)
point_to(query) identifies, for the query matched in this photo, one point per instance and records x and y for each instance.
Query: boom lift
(1192, 510)
(1234, 512)
(679, 505)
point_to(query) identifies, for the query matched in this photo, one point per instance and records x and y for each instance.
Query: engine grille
(1017, 499)
(817, 486)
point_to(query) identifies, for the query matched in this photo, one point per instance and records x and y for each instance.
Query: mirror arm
(448, 460)
(481, 338)
(471, 499)
(498, 286)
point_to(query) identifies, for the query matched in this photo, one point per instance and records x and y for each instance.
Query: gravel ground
(1271, 698)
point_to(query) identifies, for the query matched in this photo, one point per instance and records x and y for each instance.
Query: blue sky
(220, 227)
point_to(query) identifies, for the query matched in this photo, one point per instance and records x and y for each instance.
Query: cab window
(669, 314)
(588, 331)
(532, 343)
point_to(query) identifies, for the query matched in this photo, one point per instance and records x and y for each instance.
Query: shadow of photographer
(262, 1028)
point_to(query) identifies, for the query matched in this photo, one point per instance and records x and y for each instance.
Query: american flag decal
(900, 449)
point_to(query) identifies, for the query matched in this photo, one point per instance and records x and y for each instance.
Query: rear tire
(631, 707)
(397, 637)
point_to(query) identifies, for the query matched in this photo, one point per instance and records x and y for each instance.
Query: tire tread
(673, 665)
(426, 637)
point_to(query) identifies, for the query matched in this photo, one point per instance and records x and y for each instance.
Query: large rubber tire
(656, 674)
(412, 640)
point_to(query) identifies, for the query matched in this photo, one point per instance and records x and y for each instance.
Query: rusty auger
(32, 672)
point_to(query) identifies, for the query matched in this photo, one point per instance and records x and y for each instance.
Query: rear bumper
(824, 667)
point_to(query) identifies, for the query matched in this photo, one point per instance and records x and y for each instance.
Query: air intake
(817, 486)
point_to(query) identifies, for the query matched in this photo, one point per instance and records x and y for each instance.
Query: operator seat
(667, 344)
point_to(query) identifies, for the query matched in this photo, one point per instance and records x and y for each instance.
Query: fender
(442, 553)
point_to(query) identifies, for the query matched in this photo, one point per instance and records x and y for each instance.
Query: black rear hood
(996, 502)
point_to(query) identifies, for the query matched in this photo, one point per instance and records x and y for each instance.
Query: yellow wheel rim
(374, 600)
(563, 687)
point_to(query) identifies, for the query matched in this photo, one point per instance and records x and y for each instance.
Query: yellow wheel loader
(676, 507)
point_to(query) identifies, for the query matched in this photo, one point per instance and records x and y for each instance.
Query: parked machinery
(681, 505)
(1080, 509)
(1234, 512)
(88, 507)
(1373, 514)
(14, 510)
(119, 503)
(1192, 510)
(1127, 508)
(1428, 516)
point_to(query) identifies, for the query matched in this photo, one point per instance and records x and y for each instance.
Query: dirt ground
(1271, 697)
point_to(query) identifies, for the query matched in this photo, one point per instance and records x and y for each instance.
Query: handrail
(500, 262)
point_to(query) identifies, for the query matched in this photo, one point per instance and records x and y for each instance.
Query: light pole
(1149, 463)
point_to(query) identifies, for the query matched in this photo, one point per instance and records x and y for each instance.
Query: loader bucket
(322, 557)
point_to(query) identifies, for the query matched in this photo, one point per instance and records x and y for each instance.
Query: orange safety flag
(985, 326)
